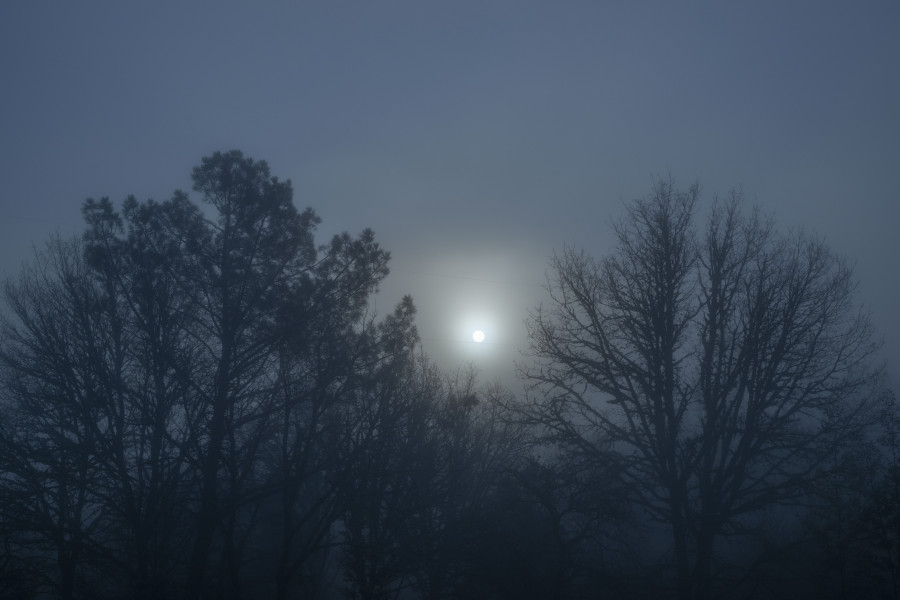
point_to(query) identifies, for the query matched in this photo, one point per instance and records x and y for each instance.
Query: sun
(478, 336)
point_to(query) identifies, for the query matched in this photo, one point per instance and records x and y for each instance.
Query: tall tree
(717, 374)
(172, 376)
(146, 457)
(240, 266)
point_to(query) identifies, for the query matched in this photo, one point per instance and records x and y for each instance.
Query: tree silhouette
(197, 401)
(61, 366)
(717, 375)
(172, 378)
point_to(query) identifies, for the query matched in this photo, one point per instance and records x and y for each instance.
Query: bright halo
(478, 336)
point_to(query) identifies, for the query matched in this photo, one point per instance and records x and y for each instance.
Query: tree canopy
(716, 372)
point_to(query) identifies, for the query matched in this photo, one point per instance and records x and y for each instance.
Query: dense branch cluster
(721, 374)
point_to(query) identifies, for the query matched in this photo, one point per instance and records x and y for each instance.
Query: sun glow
(475, 328)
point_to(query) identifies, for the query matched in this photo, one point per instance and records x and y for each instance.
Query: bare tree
(390, 458)
(717, 375)
(56, 370)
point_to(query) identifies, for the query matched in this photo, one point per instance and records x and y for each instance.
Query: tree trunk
(703, 565)
(208, 515)
(66, 575)
(682, 558)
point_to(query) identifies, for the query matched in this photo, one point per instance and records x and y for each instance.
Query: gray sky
(473, 137)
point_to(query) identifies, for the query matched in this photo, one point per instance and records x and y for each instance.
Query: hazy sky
(473, 137)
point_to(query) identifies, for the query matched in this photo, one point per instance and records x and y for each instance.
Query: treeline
(198, 403)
